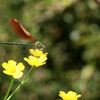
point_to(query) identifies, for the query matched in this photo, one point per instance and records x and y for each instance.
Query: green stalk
(80, 81)
(28, 73)
(9, 89)
(33, 67)
(15, 90)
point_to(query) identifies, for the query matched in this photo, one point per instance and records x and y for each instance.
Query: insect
(24, 34)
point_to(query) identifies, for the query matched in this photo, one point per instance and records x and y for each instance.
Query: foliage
(70, 30)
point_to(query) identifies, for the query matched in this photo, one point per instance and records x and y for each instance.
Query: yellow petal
(71, 93)
(20, 66)
(43, 58)
(26, 59)
(36, 52)
(12, 62)
(78, 96)
(17, 75)
(32, 58)
(7, 72)
(62, 94)
(5, 65)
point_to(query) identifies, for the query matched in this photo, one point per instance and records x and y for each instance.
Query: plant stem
(28, 73)
(15, 91)
(11, 84)
(80, 81)
(33, 67)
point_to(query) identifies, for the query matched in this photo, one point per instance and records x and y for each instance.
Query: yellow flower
(69, 96)
(11, 68)
(36, 52)
(35, 61)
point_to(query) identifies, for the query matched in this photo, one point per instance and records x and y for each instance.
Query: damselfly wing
(23, 33)
(20, 30)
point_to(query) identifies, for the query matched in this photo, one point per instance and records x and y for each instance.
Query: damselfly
(24, 34)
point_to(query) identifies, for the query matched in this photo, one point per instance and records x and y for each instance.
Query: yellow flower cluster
(11, 68)
(69, 96)
(37, 58)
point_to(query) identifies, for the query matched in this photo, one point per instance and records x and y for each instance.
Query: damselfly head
(39, 45)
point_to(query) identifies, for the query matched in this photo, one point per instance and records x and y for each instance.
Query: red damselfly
(24, 34)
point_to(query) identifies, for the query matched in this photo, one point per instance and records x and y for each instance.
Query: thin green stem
(80, 81)
(15, 90)
(33, 67)
(11, 84)
(19, 80)
(28, 73)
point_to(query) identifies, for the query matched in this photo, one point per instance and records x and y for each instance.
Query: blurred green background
(70, 30)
